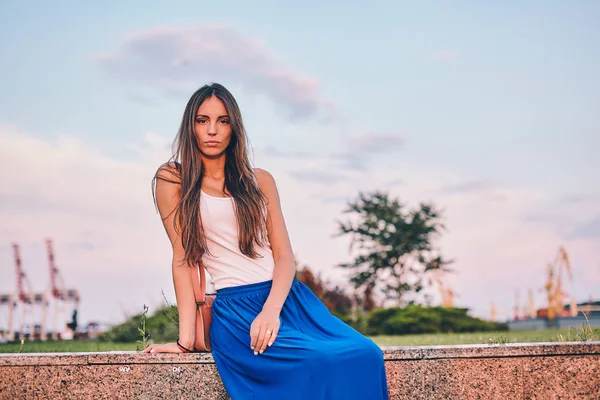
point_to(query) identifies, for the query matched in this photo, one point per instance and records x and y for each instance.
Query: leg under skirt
(315, 355)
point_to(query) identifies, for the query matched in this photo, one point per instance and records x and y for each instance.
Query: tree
(333, 296)
(368, 302)
(395, 245)
(306, 276)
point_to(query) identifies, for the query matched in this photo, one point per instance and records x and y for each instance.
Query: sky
(488, 110)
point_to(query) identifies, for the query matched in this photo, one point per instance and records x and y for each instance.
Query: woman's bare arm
(265, 327)
(285, 268)
(167, 199)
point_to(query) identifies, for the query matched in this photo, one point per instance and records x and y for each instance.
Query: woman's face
(212, 127)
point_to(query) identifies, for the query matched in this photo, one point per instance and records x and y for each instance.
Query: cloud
(589, 229)
(571, 218)
(334, 199)
(326, 178)
(579, 199)
(271, 151)
(176, 59)
(376, 143)
(356, 155)
(480, 189)
(360, 150)
(394, 182)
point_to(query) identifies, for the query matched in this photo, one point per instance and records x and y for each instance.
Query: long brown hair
(240, 180)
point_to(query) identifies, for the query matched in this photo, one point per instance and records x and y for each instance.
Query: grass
(496, 338)
(142, 330)
(584, 333)
(500, 337)
(66, 346)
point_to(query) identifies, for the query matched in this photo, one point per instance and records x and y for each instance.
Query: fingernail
(270, 343)
(255, 353)
(252, 347)
(261, 351)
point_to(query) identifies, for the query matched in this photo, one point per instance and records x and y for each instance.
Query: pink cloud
(179, 60)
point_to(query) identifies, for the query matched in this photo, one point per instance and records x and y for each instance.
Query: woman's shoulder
(266, 183)
(263, 177)
(170, 172)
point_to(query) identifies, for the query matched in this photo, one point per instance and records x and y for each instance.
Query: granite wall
(511, 371)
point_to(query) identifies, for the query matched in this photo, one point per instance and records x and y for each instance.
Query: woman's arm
(167, 199)
(285, 268)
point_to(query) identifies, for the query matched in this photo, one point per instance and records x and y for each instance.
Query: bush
(377, 318)
(159, 328)
(414, 319)
(360, 323)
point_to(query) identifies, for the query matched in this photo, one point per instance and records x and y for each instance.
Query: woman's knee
(370, 349)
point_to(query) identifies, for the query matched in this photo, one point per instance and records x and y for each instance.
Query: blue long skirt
(314, 356)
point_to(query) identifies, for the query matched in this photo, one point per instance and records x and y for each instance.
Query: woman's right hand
(163, 348)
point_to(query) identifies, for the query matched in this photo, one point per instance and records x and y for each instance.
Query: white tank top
(226, 264)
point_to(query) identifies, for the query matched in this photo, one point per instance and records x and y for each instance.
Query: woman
(271, 337)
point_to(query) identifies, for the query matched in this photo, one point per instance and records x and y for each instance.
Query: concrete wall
(513, 371)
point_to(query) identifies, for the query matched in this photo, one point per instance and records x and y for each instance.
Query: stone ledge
(505, 371)
(390, 353)
(491, 351)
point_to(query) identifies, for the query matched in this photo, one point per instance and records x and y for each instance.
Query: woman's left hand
(263, 330)
(163, 348)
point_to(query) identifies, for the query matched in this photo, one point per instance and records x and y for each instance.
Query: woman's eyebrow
(207, 117)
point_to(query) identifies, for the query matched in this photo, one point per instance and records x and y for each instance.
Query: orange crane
(448, 295)
(516, 310)
(493, 312)
(530, 310)
(555, 294)
(527, 310)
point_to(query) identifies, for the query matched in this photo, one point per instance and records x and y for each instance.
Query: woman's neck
(214, 168)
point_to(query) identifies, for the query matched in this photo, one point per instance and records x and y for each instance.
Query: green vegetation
(583, 333)
(415, 319)
(500, 337)
(396, 253)
(499, 340)
(142, 330)
(162, 326)
(65, 346)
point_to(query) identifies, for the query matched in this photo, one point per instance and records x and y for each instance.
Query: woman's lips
(212, 143)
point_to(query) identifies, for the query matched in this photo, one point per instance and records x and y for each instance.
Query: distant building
(587, 312)
(590, 308)
(94, 329)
